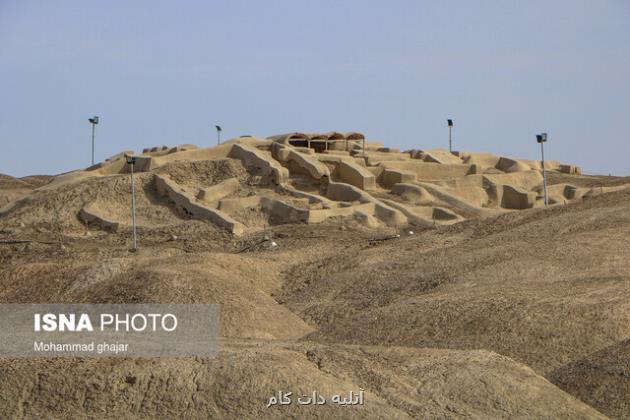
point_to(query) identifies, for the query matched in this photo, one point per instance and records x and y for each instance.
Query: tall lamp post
(131, 160)
(542, 139)
(218, 127)
(450, 142)
(94, 122)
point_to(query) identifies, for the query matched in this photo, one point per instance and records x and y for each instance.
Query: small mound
(8, 182)
(12, 188)
(204, 173)
(269, 208)
(586, 180)
(37, 181)
(601, 379)
(60, 207)
(241, 284)
(114, 203)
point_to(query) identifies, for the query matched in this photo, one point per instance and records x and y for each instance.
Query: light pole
(450, 143)
(131, 160)
(218, 127)
(542, 139)
(93, 121)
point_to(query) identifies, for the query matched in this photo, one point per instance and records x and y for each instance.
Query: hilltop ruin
(312, 177)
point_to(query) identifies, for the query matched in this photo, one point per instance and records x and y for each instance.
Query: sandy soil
(521, 315)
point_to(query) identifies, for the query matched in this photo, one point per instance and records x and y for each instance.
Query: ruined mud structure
(308, 178)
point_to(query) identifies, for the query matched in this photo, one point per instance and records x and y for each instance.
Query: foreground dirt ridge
(436, 282)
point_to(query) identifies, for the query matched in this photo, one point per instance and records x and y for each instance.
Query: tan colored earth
(438, 283)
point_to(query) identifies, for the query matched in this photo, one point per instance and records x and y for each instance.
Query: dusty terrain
(457, 297)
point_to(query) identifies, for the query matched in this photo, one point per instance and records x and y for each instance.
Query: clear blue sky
(164, 72)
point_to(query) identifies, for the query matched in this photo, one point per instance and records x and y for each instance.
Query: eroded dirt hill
(495, 313)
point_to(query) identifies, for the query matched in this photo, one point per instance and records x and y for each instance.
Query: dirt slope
(601, 379)
(398, 383)
(13, 188)
(459, 321)
(524, 286)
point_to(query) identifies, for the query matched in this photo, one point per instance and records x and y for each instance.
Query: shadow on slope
(543, 287)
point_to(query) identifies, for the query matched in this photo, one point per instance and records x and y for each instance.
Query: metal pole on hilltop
(450, 140)
(131, 160)
(542, 139)
(219, 129)
(94, 122)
